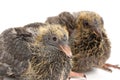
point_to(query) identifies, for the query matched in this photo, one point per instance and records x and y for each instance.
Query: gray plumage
(32, 52)
(64, 19)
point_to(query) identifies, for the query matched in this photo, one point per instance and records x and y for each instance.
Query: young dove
(35, 52)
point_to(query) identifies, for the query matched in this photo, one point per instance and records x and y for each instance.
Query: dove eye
(85, 23)
(54, 39)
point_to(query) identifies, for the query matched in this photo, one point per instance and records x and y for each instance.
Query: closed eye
(85, 23)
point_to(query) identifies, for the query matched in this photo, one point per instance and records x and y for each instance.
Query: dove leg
(75, 74)
(107, 67)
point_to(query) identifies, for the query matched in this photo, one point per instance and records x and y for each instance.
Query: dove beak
(66, 49)
(97, 31)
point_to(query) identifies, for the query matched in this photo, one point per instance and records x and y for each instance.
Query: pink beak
(66, 49)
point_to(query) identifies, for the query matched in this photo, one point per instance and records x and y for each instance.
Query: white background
(15, 13)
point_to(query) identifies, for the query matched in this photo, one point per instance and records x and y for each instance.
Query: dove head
(90, 22)
(54, 36)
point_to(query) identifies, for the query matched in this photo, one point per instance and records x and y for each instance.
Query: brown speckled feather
(89, 42)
